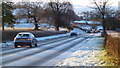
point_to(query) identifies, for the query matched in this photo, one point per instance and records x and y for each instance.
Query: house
(87, 24)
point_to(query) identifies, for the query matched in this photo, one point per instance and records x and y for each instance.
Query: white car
(25, 39)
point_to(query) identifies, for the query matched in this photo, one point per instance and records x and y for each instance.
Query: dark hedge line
(9, 35)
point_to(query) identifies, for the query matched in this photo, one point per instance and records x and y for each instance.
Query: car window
(32, 35)
(27, 35)
(23, 35)
(19, 34)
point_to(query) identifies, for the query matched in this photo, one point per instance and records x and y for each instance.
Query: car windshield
(23, 35)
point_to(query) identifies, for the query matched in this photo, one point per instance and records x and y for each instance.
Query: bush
(9, 35)
(113, 45)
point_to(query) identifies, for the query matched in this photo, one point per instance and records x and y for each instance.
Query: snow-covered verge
(113, 33)
(38, 38)
(51, 37)
(91, 53)
(93, 34)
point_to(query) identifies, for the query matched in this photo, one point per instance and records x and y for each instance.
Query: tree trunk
(57, 23)
(104, 26)
(57, 28)
(36, 27)
(2, 18)
(104, 31)
(36, 24)
(3, 26)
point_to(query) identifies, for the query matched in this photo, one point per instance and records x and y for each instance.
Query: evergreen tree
(7, 14)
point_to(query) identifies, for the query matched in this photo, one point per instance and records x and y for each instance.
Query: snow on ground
(91, 53)
(86, 27)
(94, 34)
(24, 25)
(78, 31)
(99, 27)
(6, 44)
(113, 33)
(89, 22)
(51, 37)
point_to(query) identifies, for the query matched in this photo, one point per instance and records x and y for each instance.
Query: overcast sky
(80, 5)
(80, 2)
(87, 2)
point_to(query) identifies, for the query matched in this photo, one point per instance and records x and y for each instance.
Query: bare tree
(30, 11)
(102, 6)
(111, 18)
(59, 11)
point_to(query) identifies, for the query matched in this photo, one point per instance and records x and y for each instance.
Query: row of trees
(109, 18)
(59, 13)
(112, 18)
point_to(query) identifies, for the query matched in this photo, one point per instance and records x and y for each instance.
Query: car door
(33, 39)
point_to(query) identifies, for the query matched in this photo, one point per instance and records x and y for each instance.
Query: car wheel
(36, 45)
(31, 44)
(16, 46)
(73, 34)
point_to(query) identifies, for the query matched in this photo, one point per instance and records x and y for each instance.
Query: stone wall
(113, 44)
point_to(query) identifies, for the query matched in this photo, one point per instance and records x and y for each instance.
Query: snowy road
(49, 52)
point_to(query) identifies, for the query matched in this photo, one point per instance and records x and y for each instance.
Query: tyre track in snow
(15, 56)
(57, 53)
(40, 58)
(40, 41)
(13, 50)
